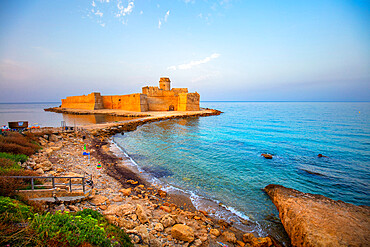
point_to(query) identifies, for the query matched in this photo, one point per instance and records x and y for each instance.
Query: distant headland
(161, 98)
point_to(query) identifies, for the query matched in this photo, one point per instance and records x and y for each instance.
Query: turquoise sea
(218, 158)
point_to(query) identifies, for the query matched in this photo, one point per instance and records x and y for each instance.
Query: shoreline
(99, 139)
(217, 210)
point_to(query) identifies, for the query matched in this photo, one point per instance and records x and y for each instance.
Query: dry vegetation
(16, 143)
(14, 148)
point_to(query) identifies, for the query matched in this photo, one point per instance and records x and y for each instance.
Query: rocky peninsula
(315, 220)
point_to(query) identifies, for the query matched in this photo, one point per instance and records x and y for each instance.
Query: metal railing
(84, 181)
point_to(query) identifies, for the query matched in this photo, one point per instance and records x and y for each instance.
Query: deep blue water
(219, 157)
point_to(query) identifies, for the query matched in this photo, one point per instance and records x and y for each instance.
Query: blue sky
(225, 50)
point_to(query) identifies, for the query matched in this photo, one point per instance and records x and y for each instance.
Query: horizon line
(225, 101)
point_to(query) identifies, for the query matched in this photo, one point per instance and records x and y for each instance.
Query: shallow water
(219, 157)
(36, 116)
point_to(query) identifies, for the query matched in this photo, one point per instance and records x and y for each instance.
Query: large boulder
(120, 210)
(182, 232)
(315, 220)
(141, 214)
(229, 236)
(126, 192)
(98, 200)
(143, 233)
(167, 221)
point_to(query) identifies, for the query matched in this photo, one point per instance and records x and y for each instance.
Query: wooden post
(83, 184)
(53, 182)
(32, 185)
(70, 184)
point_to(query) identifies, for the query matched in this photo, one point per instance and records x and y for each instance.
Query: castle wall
(131, 102)
(162, 103)
(91, 101)
(151, 99)
(189, 102)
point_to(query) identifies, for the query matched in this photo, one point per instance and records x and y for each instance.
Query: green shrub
(90, 213)
(15, 157)
(70, 228)
(13, 211)
(85, 228)
(6, 164)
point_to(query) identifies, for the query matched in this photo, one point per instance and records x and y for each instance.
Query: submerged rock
(267, 156)
(315, 220)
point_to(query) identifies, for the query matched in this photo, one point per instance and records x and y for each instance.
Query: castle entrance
(171, 108)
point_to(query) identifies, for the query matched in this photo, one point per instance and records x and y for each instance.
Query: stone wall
(92, 101)
(132, 102)
(162, 103)
(188, 102)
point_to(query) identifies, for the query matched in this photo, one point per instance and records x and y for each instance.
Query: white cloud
(122, 11)
(164, 19)
(141, 12)
(98, 13)
(166, 16)
(117, 8)
(194, 63)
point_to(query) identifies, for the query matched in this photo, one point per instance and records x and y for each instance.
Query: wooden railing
(84, 181)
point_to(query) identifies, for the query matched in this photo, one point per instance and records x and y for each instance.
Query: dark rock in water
(321, 156)
(313, 173)
(315, 220)
(273, 218)
(158, 171)
(267, 156)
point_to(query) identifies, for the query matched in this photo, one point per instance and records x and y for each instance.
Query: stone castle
(161, 98)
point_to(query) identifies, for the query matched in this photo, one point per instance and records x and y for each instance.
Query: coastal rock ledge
(315, 220)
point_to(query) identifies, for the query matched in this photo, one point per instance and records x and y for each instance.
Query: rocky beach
(151, 216)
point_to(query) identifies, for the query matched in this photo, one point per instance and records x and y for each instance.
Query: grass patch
(13, 211)
(15, 157)
(84, 228)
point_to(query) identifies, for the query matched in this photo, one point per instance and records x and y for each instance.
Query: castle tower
(165, 83)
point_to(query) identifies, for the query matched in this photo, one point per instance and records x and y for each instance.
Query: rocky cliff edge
(315, 220)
